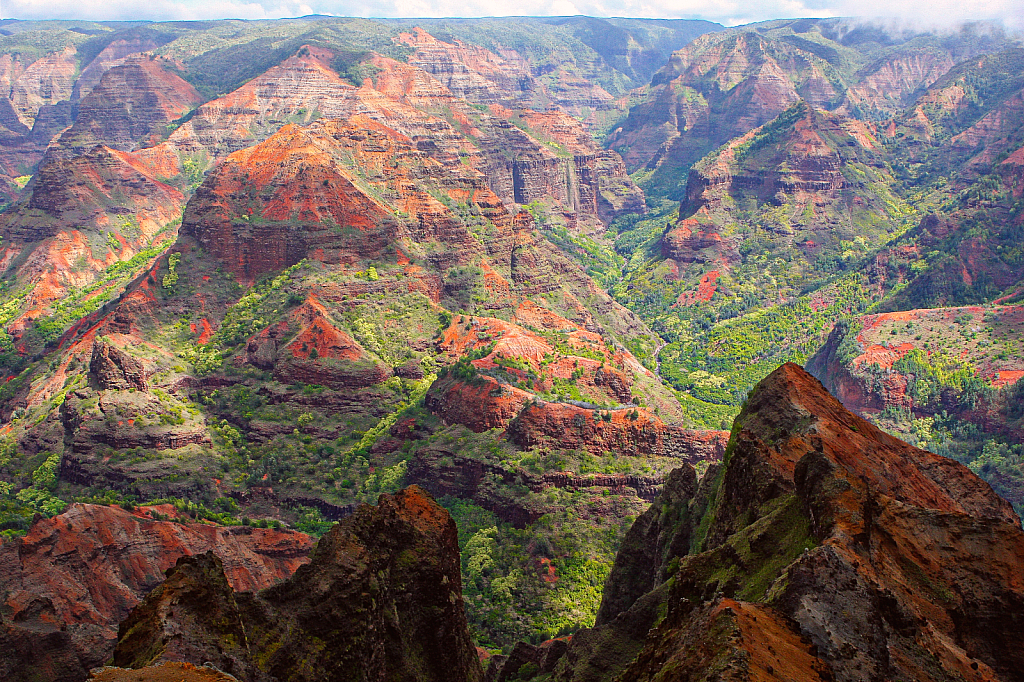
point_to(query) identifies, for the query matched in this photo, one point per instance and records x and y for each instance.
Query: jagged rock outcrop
(66, 585)
(541, 657)
(190, 617)
(380, 599)
(122, 418)
(822, 548)
(111, 367)
(481, 405)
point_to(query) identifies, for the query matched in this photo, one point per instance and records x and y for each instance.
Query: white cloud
(730, 12)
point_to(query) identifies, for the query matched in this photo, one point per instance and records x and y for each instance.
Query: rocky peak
(131, 106)
(318, 191)
(112, 55)
(380, 599)
(113, 368)
(297, 90)
(809, 163)
(69, 582)
(190, 617)
(818, 528)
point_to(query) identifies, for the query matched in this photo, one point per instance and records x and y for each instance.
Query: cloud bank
(929, 13)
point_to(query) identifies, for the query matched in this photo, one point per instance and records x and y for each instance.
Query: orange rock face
(468, 71)
(544, 353)
(299, 194)
(632, 432)
(823, 549)
(320, 353)
(104, 191)
(884, 339)
(82, 571)
(383, 586)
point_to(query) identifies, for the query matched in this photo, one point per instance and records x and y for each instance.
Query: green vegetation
(79, 303)
(171, 278)
(534, 583)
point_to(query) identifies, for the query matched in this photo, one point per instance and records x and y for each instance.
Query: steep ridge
(471, 72)
(82, 217)
(725, 84)
(946, 379)
(380, 599)
(294, 91)
(138, 102)
(963, 136)
(74, 577)
(328, 153)
(97, 200)
(34, 92)
(822, 549)
(800, 163)
(45, 81)
(482, 77)
(578, 64)
(966, 119)
(116, 52)
(527, 156)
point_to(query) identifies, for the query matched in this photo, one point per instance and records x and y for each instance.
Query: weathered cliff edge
(821, 548)
(381, 599)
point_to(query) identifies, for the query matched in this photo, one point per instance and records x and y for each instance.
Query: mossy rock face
(822, 548)
(206, 624)
(380, 599)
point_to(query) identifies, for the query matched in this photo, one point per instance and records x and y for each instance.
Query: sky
(924, 13)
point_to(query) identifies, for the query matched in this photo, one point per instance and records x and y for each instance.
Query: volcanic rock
(380, 599)
(66, 585)
(130, 107)
(113, 368)
(47, 80)
(627, 431)
(827, 548)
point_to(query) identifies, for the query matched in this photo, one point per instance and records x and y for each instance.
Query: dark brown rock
(381, 599)
(65, 586)
(821, 549)
(190, 617)
(114, 368)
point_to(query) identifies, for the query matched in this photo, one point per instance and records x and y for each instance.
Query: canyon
(256, 276)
